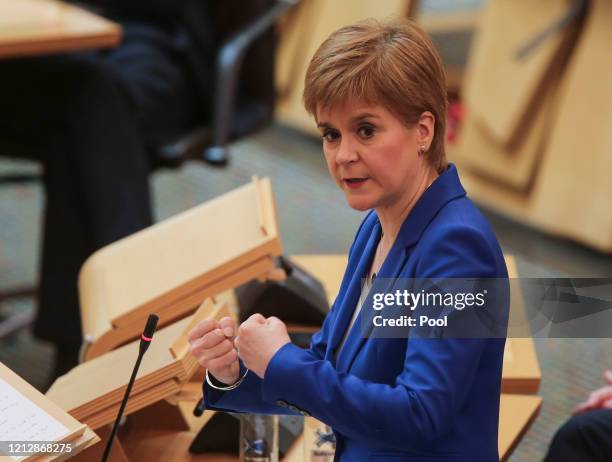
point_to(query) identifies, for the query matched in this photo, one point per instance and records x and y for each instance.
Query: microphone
(147, 335)
(145, 341)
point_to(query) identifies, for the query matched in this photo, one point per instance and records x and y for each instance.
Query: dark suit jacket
(199, 28)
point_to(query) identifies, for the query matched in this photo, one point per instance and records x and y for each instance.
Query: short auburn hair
(391, 63)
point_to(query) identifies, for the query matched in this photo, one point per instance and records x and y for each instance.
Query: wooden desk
(36, 27)
(143, 439)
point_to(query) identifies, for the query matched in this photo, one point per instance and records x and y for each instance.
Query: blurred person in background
(93, 120)
(587, 436)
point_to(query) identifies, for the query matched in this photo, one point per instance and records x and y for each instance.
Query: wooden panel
(573, 196)
(500, 88)
(515, 166)
(571, 193)
(33, 27)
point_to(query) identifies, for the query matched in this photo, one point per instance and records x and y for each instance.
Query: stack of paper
(27, 416)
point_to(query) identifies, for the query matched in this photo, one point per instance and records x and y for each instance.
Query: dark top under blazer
(397, 399)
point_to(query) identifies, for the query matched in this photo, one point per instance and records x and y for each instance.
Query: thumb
(228, 326)
(608, 376)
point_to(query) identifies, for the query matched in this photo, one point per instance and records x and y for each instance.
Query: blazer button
(281, 403)
(305, 413)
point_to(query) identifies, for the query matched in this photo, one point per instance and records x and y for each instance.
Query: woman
(378, 94)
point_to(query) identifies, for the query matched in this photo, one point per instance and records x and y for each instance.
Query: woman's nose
(347, 152)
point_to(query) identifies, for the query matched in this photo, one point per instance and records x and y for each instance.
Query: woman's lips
(354, 183)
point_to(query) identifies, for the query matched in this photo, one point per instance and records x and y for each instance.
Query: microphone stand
(145, 341)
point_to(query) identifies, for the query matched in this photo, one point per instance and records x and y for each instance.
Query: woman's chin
(360, 203)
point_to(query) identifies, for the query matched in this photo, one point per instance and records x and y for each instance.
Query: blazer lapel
(349, 301)
(390, 270)
(444, 189)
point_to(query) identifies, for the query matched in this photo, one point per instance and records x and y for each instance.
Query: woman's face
(372, 155)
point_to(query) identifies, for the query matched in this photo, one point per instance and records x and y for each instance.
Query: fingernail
(228, 331)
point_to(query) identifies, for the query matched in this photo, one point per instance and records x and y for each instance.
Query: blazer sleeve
(421, 405)
(248, 396)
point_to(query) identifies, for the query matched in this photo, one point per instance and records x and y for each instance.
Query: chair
(243, 103)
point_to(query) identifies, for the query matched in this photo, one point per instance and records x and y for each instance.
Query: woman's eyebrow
(355, 119)
(364, 115)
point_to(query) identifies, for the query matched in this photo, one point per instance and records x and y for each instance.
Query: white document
(22, 420)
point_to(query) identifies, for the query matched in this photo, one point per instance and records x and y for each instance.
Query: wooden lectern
(170, 267)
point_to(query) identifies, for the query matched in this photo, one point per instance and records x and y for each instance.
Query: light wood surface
(516, 414)
(574, 195)
(569, 194)
(328, 269)
(515, 166)
(92, 391)
(36, 27)
(511, 101)
(501, 88)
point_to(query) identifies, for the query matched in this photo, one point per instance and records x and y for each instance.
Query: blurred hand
(258, 341)
(211, 342)
(598, 399)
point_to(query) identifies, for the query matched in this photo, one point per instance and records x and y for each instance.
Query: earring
(421, 150)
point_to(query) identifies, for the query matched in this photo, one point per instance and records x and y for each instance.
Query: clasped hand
(598, 399)
(217, 347)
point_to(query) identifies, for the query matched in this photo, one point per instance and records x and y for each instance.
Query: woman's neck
(392, 217)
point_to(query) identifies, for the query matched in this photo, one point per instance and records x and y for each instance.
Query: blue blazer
(392, 399)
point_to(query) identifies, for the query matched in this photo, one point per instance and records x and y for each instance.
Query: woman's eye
(366, 131)
(330, 136)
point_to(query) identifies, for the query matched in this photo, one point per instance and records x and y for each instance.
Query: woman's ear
(425, 129)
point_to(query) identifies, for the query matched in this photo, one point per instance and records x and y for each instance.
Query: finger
(582, 407)
(594, 400)
(607, 404)
(206, 354)
(273, 320)
(257, 318)
(600, 395)
(608, 376)
(228, 326)
(208, 341)
(223, 361)
(201, 328)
